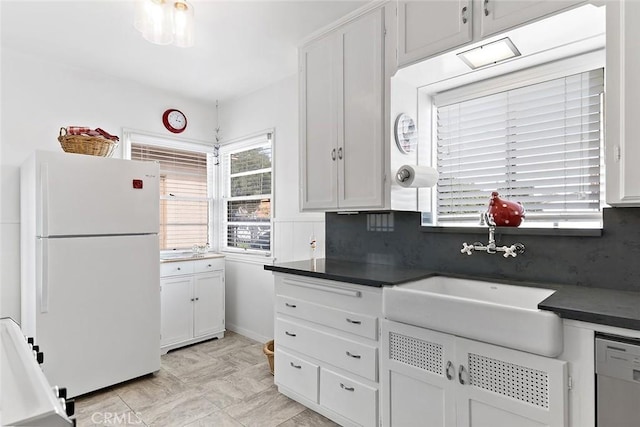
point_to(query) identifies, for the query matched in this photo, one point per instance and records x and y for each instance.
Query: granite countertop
(594, 305)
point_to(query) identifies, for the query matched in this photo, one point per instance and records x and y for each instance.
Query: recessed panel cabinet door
(426, 28)
(361, 112)
(622, 100)
(176, 309)
(500, 15)
(500, 387)
(208, 315)
(318, 124)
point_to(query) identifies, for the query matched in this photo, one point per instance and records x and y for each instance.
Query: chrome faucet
(491, 248)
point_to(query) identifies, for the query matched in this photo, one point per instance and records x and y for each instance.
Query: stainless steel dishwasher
(618, 381)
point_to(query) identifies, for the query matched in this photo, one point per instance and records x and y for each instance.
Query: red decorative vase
(504, 212)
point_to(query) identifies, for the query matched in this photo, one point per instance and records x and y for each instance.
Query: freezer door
(88, 195)
(101, 325)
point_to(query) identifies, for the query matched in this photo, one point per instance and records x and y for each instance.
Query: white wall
(249, 287)
(39, 97)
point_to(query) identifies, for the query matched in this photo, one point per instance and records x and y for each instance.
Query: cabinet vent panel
(515, 381)
(415, 352)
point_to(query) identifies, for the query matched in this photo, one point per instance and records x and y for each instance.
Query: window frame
(461, 89)
(244, 143)
(131, 136)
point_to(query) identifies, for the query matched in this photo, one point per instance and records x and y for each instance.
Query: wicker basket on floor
(268, 351)
(82, 144)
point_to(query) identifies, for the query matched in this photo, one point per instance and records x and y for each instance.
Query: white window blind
(247, 177)
(539, 145)
(184, 195)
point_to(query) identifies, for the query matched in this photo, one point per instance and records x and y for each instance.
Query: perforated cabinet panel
(416, 352)
(508, 379)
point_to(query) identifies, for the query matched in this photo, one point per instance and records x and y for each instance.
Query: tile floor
(222, 382)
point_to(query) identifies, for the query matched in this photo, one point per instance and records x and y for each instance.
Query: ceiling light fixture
(165, 21)
(490, 53)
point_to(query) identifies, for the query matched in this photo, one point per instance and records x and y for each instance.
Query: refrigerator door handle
(43, 275)
(44, 200)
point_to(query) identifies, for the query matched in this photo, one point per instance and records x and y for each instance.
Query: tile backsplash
(610, 260)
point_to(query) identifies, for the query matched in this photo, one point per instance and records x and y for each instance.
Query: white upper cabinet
(342, 120)
(430, 27)
(500, 15)
(622, 104)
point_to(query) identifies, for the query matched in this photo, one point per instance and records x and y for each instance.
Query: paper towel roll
(414, 176)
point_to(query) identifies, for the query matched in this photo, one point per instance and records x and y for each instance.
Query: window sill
(259, 258)
(565, 232)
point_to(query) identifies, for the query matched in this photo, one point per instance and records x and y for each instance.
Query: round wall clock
(405, 133)
(174, 120)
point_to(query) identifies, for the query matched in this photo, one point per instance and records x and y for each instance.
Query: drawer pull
(289, 333)
(209, 265)
(344, 387)
(355, 356)
(290, 305)
(295, 366)
(178, 268)
(355, 322)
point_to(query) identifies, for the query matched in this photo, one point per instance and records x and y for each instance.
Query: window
(247, 194)
(539, 145)
(185, 199)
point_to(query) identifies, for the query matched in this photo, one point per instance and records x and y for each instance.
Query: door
(500, 15)
(177, 310)
(318, 117)
(427, 28)
(88, 195)
(418, 377)
(500, 387)
(98, 312)
(208, 314)
(361, 112)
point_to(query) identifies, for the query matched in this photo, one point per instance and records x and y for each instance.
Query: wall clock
(174, 120)
(405, 133)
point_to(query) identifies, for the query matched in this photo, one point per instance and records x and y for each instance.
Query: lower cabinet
(192, 302)
(327, 348)
(452, 381)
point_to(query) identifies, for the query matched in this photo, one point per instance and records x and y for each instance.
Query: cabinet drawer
(349, 398)
(208, 264)
(347, 354)
(355, 323)
(168, 269)
(296, 374)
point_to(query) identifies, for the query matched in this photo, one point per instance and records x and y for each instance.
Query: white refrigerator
(90, 286)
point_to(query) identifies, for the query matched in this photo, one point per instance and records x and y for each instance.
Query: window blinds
(248, 194)
(539, 145)
(184, 200)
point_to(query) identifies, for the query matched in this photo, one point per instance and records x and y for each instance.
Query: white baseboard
(247, 333)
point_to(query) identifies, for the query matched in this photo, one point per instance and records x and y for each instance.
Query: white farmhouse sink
(505, 315)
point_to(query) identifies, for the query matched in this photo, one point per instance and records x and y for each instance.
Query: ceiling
(241, 46)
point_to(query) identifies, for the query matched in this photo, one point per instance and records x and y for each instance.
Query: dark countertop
(594, 305)
(367, 274)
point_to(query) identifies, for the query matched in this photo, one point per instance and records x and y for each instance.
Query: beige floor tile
(308, 418)
(182, 409)
(217, 419)
(103, 408)
(148, 390)
(268, 408)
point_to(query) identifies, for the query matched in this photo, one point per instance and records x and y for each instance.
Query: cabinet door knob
(344, 387)
(486, 7)
(178, 268)
(290, 305)
(355, 356)
(448, 371)
(355, 322)
(289, 333)
(333, 154)
(295, 366)
(464, 15)
(340, 153)
(461, 372)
